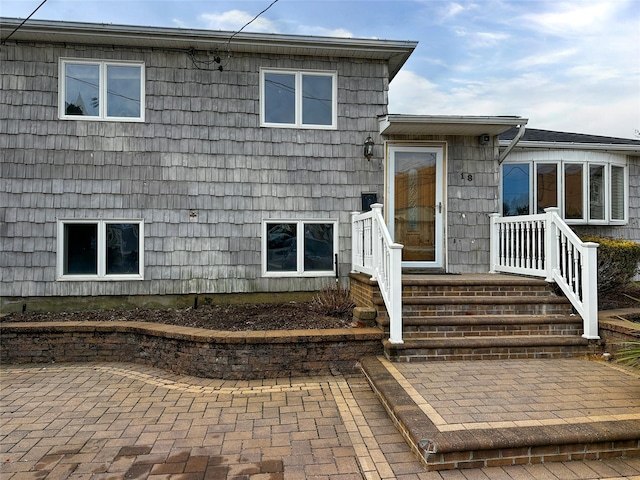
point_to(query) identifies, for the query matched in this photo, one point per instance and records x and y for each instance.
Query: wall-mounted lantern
(368, 148)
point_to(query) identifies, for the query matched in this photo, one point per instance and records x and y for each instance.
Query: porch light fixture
(368, 148)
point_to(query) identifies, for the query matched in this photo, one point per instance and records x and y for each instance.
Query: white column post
(551, 240)
(376, 252)
(354, 241)
(494, 242)
(590, 290)
(395, 293)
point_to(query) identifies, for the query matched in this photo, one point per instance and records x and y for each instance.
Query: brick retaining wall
(192, 351)
(615, 332)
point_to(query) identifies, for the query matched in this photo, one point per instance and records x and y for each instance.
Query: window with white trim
(586, 192)
(101, 90)
(301, 99)
(100, 249)
(299, 247)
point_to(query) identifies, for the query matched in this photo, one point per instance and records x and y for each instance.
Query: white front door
(415, 203)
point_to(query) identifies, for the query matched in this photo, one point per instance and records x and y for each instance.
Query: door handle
(439, 207)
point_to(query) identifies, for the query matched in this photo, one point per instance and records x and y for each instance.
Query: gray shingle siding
(200, 150)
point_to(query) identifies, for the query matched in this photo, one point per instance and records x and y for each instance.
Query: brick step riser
(494, 353)
(478, 289)
(523, 455)
(489, 330)
(478, 293)
(463, 310)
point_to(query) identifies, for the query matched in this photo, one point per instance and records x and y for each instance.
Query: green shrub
(617, 262)
(333, 300)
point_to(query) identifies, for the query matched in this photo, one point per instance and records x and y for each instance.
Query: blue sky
(566, 65)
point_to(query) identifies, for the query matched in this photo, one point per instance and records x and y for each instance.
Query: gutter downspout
(513, 143)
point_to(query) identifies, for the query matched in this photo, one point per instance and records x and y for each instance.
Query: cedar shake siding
(199, 171)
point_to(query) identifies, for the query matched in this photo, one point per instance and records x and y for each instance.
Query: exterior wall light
(368, 148)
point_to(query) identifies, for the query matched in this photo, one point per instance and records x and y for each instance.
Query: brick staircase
(482, 317)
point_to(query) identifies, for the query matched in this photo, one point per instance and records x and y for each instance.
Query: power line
(251, 21)
(24, 21)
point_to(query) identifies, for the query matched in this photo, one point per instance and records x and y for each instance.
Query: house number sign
(467, 176)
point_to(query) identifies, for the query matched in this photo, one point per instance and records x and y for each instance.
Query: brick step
(487, 325)
(480, 305)
(492, 441)
(487, 348)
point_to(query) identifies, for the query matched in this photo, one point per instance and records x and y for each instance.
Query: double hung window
(586, 192)
(302, 99)
(299, 247)
(101, 90)
(100, 249)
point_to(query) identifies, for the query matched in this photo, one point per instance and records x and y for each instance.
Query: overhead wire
(216, 59)
(23, 22)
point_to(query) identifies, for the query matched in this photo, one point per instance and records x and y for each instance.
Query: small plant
(637, 285)
(333, 301)
(617, 262)
(630, 354)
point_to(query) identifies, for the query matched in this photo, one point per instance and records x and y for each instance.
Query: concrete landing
(474, 414)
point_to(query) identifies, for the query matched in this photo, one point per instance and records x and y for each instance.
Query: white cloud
(324, 32)
(453, 9)
(481, 39)
(571, 18)
(545, 58)
(547, 103)
(234, 20)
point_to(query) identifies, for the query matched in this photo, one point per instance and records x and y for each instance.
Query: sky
(571, 66)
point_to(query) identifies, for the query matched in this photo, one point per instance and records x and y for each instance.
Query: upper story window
(301, 99)
(586, 192)
(100, 249)
(101, 90)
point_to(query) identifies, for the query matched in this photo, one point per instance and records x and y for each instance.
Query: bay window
(586, 192)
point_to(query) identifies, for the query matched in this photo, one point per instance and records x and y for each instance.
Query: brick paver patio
(125, 421)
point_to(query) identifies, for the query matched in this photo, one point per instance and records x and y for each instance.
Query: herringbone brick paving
(125, 421)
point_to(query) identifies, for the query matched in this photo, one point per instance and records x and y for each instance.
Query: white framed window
(100, 249)
(586, 192)
(299, 247)
(300, 99)
(101, 90)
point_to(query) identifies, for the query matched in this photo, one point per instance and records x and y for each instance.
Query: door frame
(440, 148)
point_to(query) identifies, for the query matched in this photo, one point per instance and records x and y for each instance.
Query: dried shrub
(630, 354)
(333, 301)
(617, 262)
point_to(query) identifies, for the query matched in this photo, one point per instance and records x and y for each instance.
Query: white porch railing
(374, 253)
(544, 246)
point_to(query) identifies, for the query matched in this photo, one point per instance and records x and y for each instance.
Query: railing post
(395, 292)
(494, 239)
(590, 290)
(551, 240)
(375, 234)
(354, 241)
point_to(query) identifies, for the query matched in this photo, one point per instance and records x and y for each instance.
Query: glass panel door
(415, 218)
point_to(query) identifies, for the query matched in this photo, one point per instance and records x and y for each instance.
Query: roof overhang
(392, 125)
(395, 52)
(602, 147)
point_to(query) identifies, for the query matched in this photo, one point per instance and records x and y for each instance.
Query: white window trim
(299, 248)
(298, 98)
(102, 91)
(606, 162)
(101, 250)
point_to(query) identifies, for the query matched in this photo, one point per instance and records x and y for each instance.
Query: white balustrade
(544, 246)
(374, 253)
